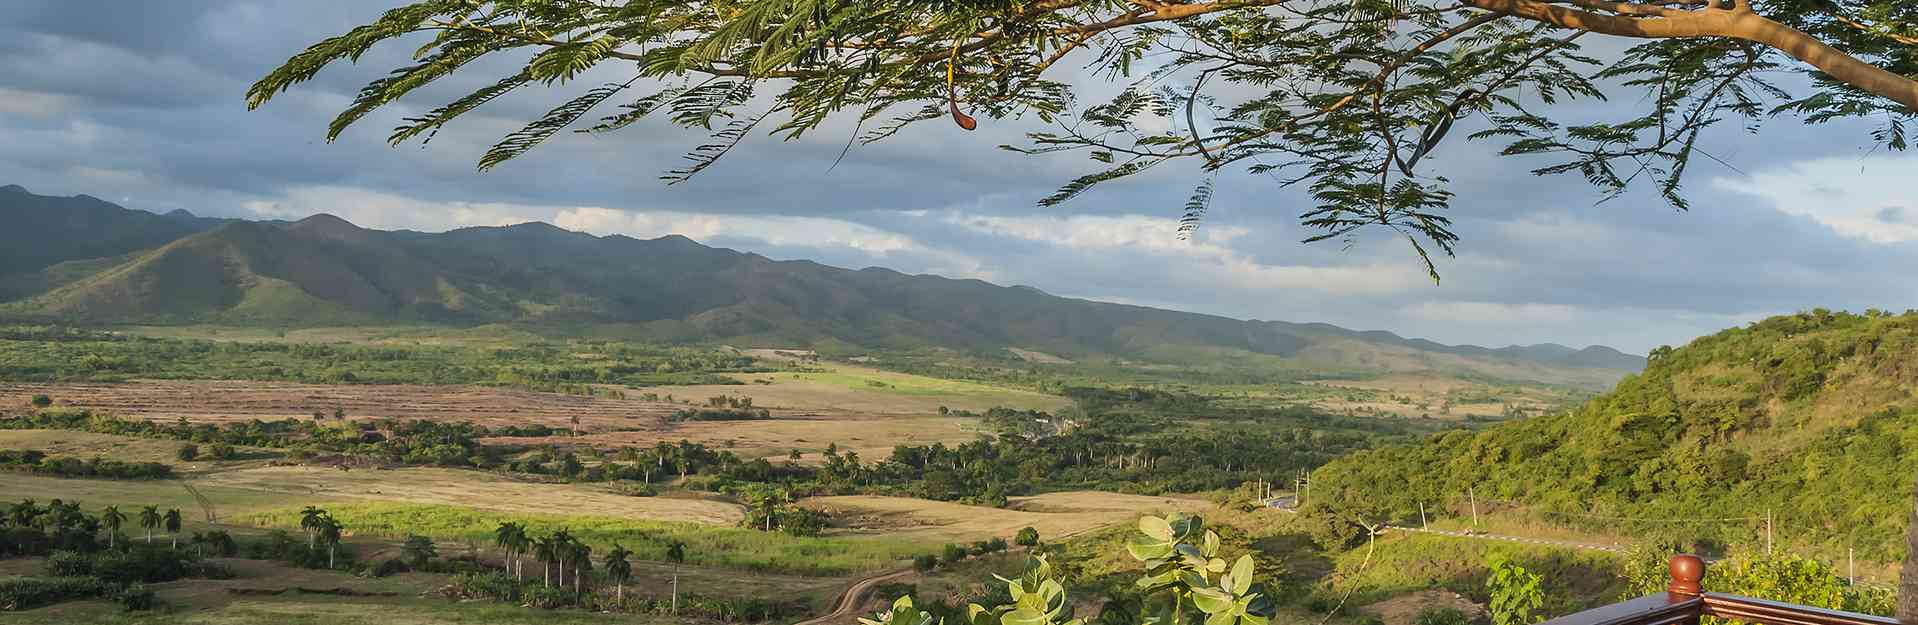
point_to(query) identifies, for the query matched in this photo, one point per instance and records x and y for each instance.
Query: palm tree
(329, 532)
(582, 557)
(111, 517)
(509, 537)
(677, 553)
(172, 520)
(150, 518)
(311, 520)
(619, 570)
(24, 513)
(562, 547)
(418, 550)
(543, 551)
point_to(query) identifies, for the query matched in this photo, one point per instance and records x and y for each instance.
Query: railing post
(1688, 576)
(1687, 579)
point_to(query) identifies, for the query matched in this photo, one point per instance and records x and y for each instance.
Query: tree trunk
(329, 557)
(562, 573)
(545, 573)
(675, 588)
(149, 535)
(1908, 577)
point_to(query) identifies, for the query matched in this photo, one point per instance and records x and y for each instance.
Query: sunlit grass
(730, 547)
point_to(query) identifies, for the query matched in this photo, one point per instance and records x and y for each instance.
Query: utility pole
(1422, 524)
(1851, 568)
(1473, 495)
(1768, 531)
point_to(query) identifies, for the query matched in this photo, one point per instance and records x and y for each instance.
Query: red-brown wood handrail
(1684, 601)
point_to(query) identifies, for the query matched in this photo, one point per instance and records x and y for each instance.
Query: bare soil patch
(1405, 609)
(1055, 515)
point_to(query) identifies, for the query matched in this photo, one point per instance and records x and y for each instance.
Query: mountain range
(90, 261)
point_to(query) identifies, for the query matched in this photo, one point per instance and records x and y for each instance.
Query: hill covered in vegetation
(1811, 418)
(178, 269)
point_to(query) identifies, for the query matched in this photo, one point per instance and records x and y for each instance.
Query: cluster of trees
(66, 354)
(81, 563)
(555, 551)
(1674, 441)
(398, 441)
(31, 461)
(771, 508)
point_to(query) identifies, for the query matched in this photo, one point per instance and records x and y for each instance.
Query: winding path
(854, 597)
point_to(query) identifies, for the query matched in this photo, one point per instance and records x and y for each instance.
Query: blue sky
(142, 104)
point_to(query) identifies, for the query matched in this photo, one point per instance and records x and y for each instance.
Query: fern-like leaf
(543, 128)
(1195, 208)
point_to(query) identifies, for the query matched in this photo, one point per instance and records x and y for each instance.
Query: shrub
(995, 545)
(42, 401)
(1442, 616)
(924, 562)
(69, 564)
(1027, 537)
(21, 593)
(187, 452)
(952, 553)
(221, 451)
(136, 598)
(387, 567)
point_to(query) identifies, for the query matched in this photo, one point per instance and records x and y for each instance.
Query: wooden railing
(1685, 600)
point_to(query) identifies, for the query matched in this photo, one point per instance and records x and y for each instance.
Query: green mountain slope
(1810, 417)
(325, 271)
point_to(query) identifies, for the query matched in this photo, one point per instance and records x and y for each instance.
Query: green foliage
(1355, 133)
(563, 366)
(417, 550)
(23, 593)
(696, 543)
(1516, 598)
(30, 461)
(188, 452)
(1787, 578)
(1729, 428)
(1442, 616)
(1027, 537)
(42, 401)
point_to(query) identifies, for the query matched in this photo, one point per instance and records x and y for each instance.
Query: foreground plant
(1185, 582)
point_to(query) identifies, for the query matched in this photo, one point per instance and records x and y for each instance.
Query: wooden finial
(1688, 575)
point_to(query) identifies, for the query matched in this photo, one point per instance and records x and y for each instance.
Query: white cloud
(782, 230)
(1868, 198)
(386, 211)
(1213, 261)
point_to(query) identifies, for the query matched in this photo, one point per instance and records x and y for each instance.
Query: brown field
(1055, 515)
(1413, 395)
(809, 414)
(872, 437)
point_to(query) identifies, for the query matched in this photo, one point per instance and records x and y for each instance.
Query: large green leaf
(1156, 527)
(1241, 575)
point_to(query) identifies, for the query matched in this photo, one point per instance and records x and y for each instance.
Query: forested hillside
(1811, 417)
(324, 271)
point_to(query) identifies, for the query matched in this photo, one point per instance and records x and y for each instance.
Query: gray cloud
(142, 104)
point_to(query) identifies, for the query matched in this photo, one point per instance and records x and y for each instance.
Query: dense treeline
(30, 461)
(66, 354)
(82, 563)
(1808, 418)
